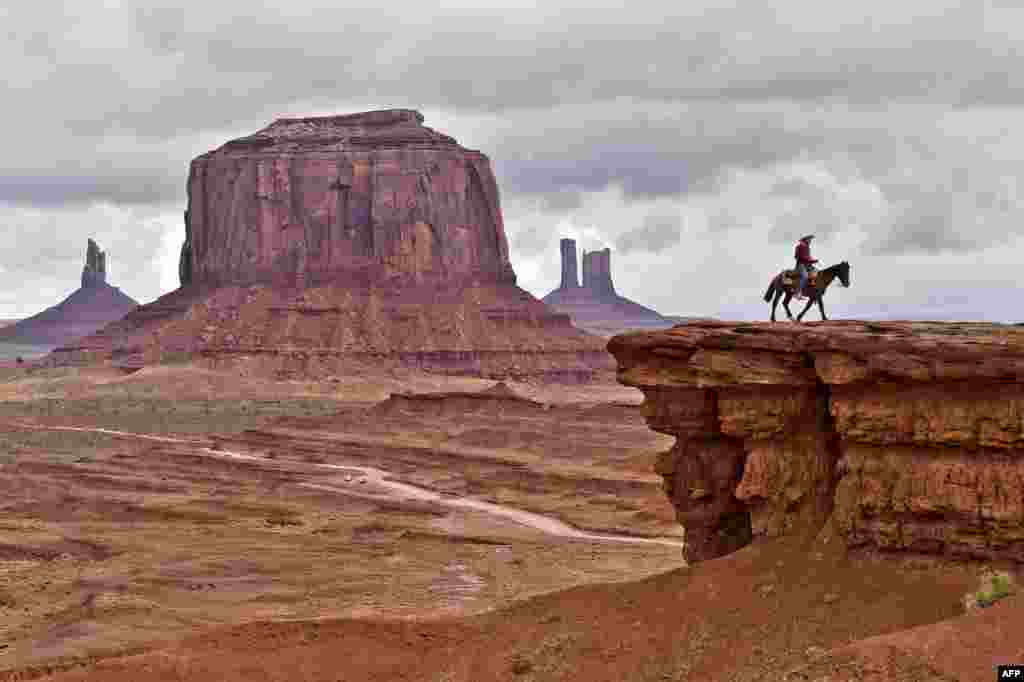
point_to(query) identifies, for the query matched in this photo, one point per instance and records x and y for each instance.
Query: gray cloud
(531, 241)
(657, 233)
(46, 252)
(886, 128)
(119, 188)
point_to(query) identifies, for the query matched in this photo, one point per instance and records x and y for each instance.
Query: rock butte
(595, 306)
(321, 243)
(897, 436)
(363, 196)
(87, 309)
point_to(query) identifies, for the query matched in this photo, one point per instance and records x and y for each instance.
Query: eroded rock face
(318, 199)
(901, 436)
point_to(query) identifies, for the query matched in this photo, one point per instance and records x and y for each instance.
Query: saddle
(791, 278)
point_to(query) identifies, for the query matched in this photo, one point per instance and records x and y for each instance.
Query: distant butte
(88, 309)
(595, 306)
(359, 197)
(322, 245)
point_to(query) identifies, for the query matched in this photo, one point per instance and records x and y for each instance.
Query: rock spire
(94, 273)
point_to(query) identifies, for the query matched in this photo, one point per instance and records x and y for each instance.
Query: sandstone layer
(595, 306)
(895, 436)
(86, 310)
(328, 245)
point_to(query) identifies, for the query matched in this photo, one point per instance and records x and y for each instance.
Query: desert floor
(182, 524)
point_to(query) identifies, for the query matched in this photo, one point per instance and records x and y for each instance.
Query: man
(804, 263)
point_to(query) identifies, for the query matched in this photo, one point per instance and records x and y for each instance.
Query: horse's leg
(821, 307)
(775, 302)
(807, 307)
(785, 304)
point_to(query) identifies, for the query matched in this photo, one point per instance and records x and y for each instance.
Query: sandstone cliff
(86, 310)
(375, 193)
(895, 436)
(595, 306)
(325, 245)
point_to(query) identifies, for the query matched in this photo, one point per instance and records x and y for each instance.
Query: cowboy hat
(807, 238)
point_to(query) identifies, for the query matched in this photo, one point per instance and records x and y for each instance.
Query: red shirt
(803, 253)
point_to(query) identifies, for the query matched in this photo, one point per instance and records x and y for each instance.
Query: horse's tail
(771, 291)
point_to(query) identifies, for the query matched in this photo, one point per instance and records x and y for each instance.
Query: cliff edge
(897, 436)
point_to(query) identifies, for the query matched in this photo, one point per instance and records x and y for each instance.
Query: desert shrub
(175, 358)
(995, 585)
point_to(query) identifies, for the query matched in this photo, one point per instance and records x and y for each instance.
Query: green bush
(995, 585)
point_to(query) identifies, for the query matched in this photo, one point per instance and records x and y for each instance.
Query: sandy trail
(379, 478)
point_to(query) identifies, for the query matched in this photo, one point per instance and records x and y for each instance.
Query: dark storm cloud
(658, 232)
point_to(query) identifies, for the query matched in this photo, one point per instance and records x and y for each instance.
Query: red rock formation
(364, 196)
(597, 273)
(86, 310)
(570, 275)
(323, 245)
(595, 307)
(900, 436)
(94, 273)
(497, 400)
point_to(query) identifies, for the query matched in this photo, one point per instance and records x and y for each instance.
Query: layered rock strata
(330, 244)
(895, 436)
(328, 197)
(491, 331)
(595, 306)
(84, 311)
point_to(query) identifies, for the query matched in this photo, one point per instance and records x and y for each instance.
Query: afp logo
(1010, 672)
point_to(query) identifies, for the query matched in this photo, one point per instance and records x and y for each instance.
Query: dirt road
(377, 478)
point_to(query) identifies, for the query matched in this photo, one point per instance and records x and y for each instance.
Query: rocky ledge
(897, 436)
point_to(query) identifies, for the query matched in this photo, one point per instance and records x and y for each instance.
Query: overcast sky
(698, 144)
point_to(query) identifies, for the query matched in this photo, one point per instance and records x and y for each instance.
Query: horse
(817, 291)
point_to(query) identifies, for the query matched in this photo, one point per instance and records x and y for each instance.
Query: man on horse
(804, 263)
